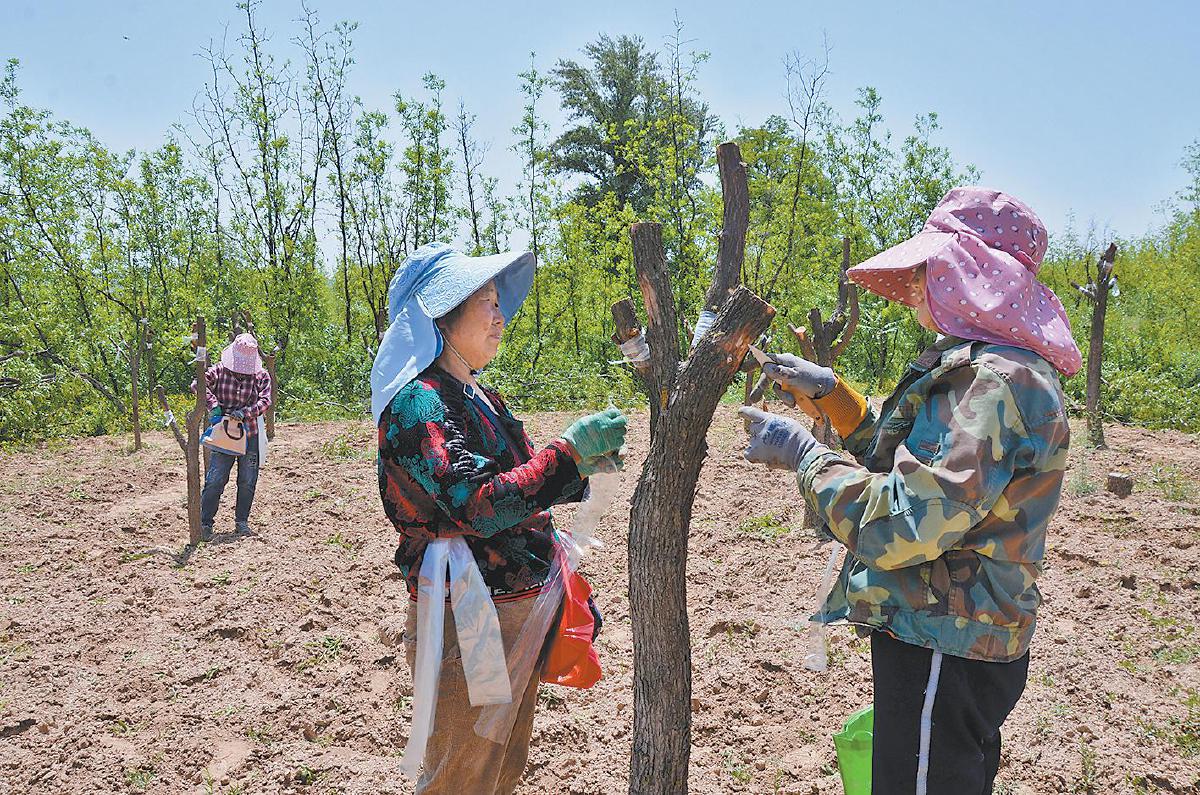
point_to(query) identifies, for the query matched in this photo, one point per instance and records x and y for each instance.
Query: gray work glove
(777, 441)
(799, 374)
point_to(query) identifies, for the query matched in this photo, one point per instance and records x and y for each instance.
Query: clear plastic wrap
(262, 442)
(817, 658)
(478, 629)
(496, 722)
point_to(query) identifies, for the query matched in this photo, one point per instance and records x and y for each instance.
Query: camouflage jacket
(945, 513)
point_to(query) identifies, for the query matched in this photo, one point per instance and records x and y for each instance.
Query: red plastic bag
(572, 660)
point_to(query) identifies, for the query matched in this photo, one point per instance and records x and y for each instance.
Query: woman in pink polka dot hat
(943, 496)
(981, 250)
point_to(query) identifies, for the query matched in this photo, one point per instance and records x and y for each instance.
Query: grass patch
(1172, 484)
(1088, 776)
(321, 652)
(339, 540)
(766, 527)
(131, 557)
(138, 778)
(1080, 483)
(1183, 733)
(737, 768)
(260, 734)
(305, 775)
(1177, 655)
(343, 447)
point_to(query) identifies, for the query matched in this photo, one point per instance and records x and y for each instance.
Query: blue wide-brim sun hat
(428, 285)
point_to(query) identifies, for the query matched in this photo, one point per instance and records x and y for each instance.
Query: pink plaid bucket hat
(982, 250)
(241, 355)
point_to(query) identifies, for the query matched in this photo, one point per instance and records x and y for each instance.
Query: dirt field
(260, 666)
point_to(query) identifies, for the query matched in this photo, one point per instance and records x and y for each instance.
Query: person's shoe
(206, 532)
(242, 528)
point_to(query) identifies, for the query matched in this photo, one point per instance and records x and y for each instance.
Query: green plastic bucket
(853, 745)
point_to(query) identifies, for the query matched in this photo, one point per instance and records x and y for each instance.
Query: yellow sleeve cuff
(844, 407)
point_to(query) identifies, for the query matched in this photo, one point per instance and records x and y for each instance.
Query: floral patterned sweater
(495, 496)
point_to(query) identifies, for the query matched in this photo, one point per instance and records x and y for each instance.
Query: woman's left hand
(603, 464)
(777, 441)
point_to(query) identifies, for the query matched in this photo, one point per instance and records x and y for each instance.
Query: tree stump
(682, 397)
(1120, 484)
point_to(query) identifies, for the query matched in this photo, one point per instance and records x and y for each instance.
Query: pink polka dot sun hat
(982, 250)
(241, 355)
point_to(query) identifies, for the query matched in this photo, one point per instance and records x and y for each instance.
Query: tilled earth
(269, 663)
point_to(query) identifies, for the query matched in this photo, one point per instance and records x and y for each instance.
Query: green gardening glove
(596, 434)
(214, 416)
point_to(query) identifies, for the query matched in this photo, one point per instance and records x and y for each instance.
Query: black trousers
(957, 750)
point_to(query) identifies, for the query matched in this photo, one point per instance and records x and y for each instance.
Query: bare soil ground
(259, 666)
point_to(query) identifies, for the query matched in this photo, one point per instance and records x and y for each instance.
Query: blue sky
(1068, 105)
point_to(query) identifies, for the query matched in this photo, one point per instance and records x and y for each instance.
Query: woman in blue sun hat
(470, 495)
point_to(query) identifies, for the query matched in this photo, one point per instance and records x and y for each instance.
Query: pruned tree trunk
(269, 363)
(824, 341)
(1096, 292)
(195, 426)
(135, 366)
(682, 401)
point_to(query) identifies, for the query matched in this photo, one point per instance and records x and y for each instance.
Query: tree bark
(171, 421)
(731, 247)
(682, 401)
(1099, 298)
(659, 520)
(135, 365)
(195, 424)
(269, 363)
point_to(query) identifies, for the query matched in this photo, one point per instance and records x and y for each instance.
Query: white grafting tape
(636, 351)
(703, 324)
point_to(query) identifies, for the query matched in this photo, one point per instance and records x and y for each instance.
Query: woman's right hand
(597, 434)
(792, 373)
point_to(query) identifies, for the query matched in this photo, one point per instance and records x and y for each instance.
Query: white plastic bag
(479, 639)
(478, 629)
(262, 443)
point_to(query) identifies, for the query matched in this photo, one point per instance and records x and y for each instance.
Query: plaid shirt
(232, 391)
